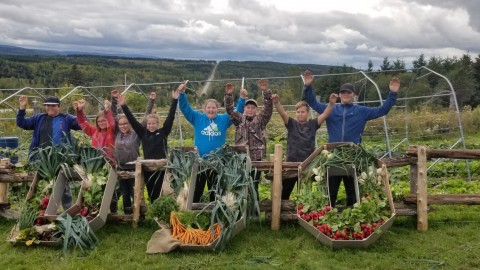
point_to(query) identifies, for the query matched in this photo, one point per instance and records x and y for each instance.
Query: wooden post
(277, 187)
(413, 178)
(3, 192)
(388, 191)
(138, 193)
(31, 190)
(422, 215)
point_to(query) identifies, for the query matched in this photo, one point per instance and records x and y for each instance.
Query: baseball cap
(251, 101)
(348, 87)
(51, 101)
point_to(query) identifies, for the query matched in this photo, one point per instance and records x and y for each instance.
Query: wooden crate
(336, 244)
(97, 222)
(239, 225)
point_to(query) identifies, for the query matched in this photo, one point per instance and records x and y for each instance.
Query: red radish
(42, 213)
(45, 200)
(84, 212)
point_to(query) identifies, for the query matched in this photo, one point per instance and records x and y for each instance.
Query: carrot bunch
(191, 236)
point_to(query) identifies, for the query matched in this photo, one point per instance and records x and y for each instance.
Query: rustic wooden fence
(416, 203)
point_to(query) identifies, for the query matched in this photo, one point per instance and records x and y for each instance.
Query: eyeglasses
(122, 124)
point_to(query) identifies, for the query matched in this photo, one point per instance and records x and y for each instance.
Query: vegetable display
(352, 223)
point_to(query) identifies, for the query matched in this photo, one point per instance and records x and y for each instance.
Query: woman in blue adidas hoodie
(346, 124)
(210, 133)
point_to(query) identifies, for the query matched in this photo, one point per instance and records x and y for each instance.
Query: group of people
(119, 136)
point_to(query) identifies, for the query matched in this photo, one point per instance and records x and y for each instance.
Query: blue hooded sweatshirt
(208, 134)
(346, 122)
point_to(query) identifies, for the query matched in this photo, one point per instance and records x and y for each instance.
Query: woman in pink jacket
(102, 133)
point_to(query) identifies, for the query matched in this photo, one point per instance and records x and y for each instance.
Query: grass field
(451, 242)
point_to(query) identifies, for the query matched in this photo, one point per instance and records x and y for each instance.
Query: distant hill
(19, 51)
(13, 50)
(21, 67)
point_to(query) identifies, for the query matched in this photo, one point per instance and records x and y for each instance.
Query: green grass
(451, 242)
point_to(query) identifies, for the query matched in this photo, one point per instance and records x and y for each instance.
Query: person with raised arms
(154, 139)
(301, 135)
(346, 123)
(210, 133)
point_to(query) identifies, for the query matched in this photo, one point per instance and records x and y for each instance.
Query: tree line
(18, 71)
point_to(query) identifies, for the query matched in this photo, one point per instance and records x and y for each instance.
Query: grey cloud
(470, 6)
(247, 31)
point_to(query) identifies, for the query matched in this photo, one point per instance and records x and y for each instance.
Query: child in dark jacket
(154, 140)
(127, 144)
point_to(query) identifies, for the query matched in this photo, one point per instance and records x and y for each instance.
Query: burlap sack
(162, 242)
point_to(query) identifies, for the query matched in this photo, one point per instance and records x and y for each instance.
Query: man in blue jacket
(346, 124)
(48, 128)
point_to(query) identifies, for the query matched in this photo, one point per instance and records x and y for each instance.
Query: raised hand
(106, 105)
(121, 100)
(79, 104)
(333, 98)
(275, 98)
(395, 84)
(244, 93)
(308, 77)
(115, 93)
(176, 93)
(262, 84)
(22, 102)
(153, 95)
(181, 88)
(229, 89)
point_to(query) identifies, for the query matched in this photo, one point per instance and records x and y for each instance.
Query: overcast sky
(331, 32)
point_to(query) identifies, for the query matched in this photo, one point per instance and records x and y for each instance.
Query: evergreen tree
(75, 76)
(370, 66)
(385, 65)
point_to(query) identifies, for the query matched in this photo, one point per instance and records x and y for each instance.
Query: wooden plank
(284, 216)
(119, 218)
(446, 153)
(386, 185)
(422, 215)
(4, 205)
(17, 177)
(268, 165)
(413, 179)
(124, 175)
(399, 161)
(286, 205)
(138, 193)
(277, 187)
(9, 214)
(3, 192)
(402, 209)
(447, 199)
(31, 190)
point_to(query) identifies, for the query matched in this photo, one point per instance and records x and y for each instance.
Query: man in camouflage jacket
(250, 126)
